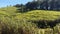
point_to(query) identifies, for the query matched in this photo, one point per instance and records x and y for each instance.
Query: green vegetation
(12, 22)
(39, 15)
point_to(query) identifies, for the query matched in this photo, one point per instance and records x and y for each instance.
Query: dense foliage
(42, 4)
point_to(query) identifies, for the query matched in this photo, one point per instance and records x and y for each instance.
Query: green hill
(39, 15)
(10, 20)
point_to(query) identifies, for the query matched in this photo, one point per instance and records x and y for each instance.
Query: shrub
(46, 23)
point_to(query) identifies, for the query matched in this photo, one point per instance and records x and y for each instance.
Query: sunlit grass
(11, 19)
(39, 15)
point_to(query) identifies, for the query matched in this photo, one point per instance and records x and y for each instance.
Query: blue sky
(4, 3)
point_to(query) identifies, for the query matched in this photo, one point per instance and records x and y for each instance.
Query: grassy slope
(6, 13)
(32, 15)
(8, 21)
(10, 15)
(39, 15)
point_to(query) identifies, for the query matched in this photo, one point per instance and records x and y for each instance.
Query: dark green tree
(17, 5)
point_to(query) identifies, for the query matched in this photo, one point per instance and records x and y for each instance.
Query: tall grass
(13, 26)
(12, 22)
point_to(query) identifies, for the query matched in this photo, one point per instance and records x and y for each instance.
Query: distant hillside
(39, 15)
(8, 10)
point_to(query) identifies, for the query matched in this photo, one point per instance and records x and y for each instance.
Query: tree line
(39, 5)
